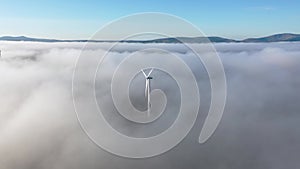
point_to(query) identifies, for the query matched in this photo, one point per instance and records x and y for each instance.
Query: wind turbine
(147, 88)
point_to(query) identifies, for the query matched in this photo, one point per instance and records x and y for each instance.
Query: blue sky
(79, 19)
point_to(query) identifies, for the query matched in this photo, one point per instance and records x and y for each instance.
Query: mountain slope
(24, 38)
(276, 38)
(284, 37)
(191, 40)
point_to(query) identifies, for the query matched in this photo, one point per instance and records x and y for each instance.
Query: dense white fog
(259, 128)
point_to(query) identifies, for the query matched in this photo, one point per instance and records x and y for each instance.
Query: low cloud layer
(259, 128)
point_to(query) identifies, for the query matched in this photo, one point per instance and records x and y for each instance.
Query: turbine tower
(147, 89)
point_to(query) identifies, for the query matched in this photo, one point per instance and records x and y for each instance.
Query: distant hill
(23, 38)
(28, 39)
(284, 37)
(276, 38)
(190, 40)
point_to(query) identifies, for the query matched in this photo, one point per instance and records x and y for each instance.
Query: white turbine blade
(150, 72)
(146, 88)
(144, 73)
(148, 93)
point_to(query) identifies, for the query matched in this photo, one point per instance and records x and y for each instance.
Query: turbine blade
(144, 73)
(150, 72)
(146, 88)
(148, 93)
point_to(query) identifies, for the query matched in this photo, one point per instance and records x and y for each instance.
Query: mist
(259, 129)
